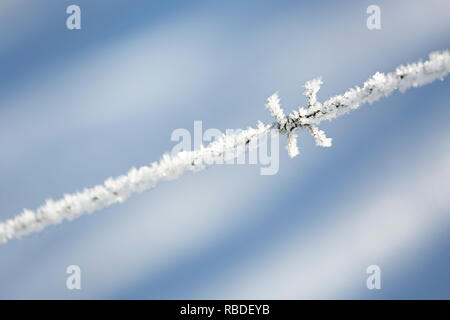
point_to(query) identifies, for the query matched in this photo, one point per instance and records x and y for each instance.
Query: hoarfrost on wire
(118, 189)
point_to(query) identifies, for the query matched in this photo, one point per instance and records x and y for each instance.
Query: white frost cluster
(312, 87)
(291, 146)
(319, 136)
(116, 190)
(119, 189)
(273, 104)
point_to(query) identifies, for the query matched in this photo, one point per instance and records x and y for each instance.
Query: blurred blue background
(77, 107)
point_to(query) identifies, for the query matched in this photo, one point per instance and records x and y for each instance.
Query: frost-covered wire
(118, 189)
(378, 86)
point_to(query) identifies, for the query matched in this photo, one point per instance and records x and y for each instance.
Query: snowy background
(77, 107)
